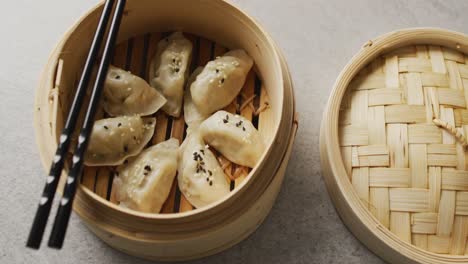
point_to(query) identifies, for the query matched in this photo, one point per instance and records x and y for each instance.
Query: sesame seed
(119, 125)
(225, 121)
(148, 168)
(106, 127)
(117, 77)
(211, 183)
(125, 148)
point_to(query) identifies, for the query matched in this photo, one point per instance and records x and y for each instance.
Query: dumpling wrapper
(192, 115)
(220, 81)
(169, 69)
(143, 184)
(115, 139)
(233, 136)
(201, 178)
(127, 94)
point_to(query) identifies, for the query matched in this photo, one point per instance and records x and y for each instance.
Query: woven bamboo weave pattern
(402, 131)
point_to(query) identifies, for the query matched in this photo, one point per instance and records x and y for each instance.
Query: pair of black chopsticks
(63, 214)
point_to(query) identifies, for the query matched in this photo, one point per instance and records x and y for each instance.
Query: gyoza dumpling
(192, 115)
(233, 136)
(127, 94)
(144, 183)
(115, 139)
(200, 177)
(220, 81)
(169, 69)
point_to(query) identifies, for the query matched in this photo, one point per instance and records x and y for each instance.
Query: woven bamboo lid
(401, 130)
(409, 170)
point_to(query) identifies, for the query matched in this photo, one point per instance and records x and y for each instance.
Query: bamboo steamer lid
(181, 231)
(393, 146)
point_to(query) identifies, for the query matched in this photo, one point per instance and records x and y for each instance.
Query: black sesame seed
(177, 70)
(134, 138)
(119, 125)
(202, 163)
(125, 149)
(209, 172)
(243, 128)
(211, 183)
(146, 173)
(202, 151)
(117, 77)
(227, 117)
(207, 179)
(148, 167)
(222, 80)
(217, 70)
(106, 127)
(173, 60)
(225, 121)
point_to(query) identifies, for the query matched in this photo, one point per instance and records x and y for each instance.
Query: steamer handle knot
(452, 130)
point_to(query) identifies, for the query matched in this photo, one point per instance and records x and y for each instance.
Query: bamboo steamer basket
(393, 146)
(180, 232)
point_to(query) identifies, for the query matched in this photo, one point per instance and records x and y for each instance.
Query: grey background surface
(318, 38)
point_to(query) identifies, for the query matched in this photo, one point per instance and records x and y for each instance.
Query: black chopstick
(45, 203)
(63, 214)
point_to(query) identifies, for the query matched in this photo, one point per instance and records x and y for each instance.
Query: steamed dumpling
(233, 136)
(220, 81)
(200, 178)
(144, 183)
(169, 69)
(115, 139)
(127, 94)
(192, 115)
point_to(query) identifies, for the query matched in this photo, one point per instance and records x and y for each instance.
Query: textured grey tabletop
(318, 38)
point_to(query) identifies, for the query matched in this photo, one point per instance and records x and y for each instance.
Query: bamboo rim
(356, 217)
